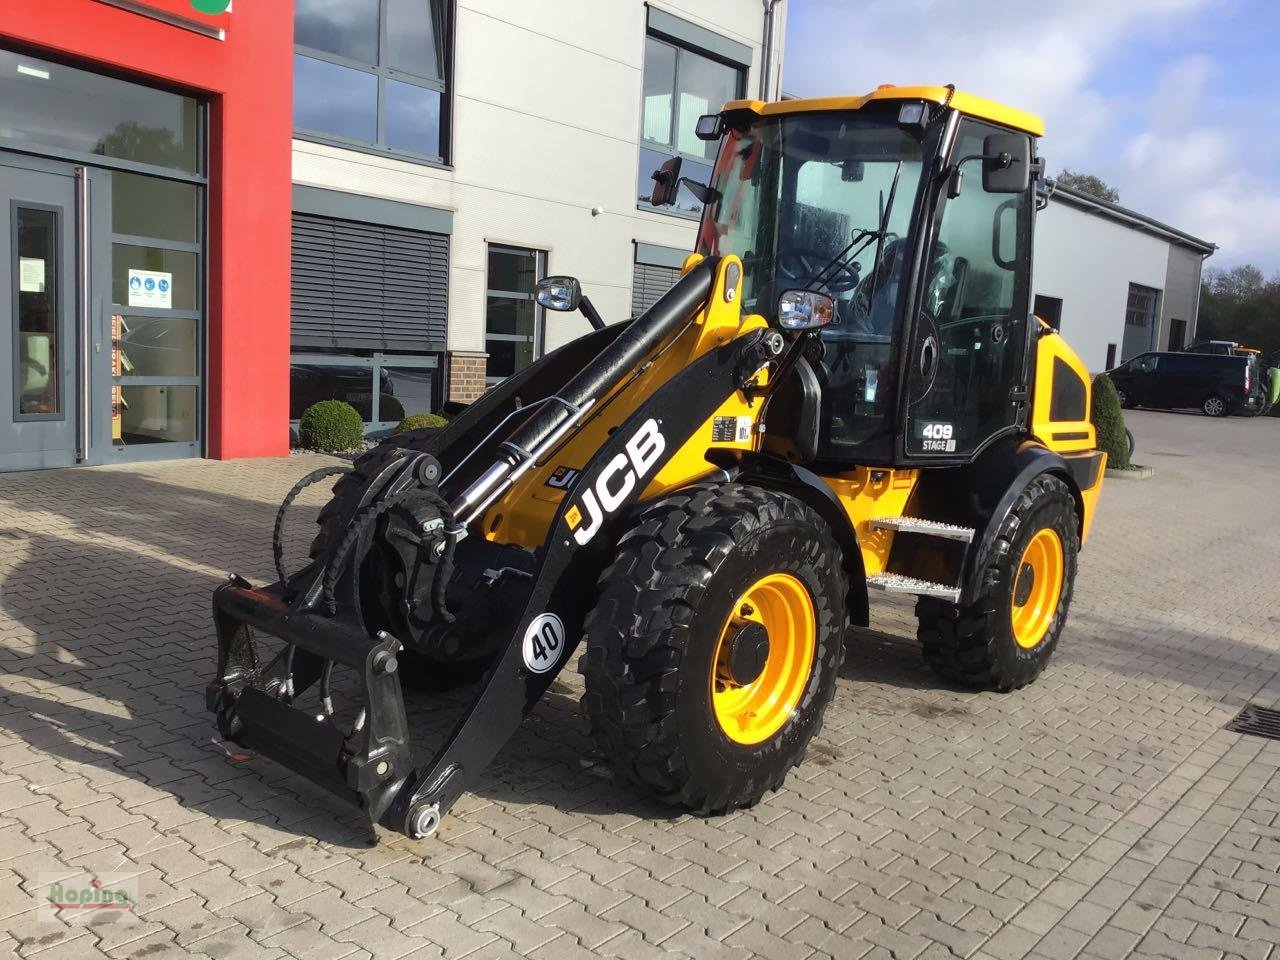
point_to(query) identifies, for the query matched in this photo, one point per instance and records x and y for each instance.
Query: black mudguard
(774, 473)
(978, 495)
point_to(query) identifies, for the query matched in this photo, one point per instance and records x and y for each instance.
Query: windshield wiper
(884, 226)
(864, 236)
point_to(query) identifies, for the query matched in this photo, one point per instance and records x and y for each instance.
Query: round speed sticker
(543, 642)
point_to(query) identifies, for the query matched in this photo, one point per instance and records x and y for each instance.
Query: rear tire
(1125, 402)
(661, 696)
(997, 643)
(1214, 406)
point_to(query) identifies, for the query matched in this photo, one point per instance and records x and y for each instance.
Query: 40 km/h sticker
(543, 642)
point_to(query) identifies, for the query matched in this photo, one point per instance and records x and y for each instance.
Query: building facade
(504, 143)
(144, 184)
(219, 214)
(1115, 282)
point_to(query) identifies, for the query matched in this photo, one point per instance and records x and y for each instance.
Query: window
(48, 105)
(680, 85)
(1049, 309)
(383, 387)
(513, 322)
(1141, 311)
(969, 354)
(37, 276)
(1177, 334)
(1145, 364)
(372, 73)
(155, 339)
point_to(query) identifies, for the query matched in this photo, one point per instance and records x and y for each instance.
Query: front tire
(1004, 639)
(712, 652)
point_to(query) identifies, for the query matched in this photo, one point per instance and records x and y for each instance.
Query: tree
(1240, 304)
(1088, 183)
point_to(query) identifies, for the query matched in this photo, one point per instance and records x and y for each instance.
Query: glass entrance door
(39, 358)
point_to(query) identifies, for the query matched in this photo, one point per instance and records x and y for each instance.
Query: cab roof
(966, 103)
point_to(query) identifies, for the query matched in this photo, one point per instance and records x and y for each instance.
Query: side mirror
(1006, 163)
(806, 310)
(666, 183)
(561, 294)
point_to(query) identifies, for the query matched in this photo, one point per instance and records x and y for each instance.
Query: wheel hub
(748, 652)
(1024, 584)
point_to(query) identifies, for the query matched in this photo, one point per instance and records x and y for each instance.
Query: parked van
(1217, 385)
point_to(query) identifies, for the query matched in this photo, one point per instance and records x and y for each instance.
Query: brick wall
(466, 375)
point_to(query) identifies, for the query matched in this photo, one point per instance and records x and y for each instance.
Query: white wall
(546, 126)
(1088, 262)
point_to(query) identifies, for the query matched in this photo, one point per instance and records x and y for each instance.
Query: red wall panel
(247, 80)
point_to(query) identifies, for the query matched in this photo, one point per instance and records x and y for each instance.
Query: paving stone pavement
(1102, 812)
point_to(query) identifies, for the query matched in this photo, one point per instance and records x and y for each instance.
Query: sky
(1175, 103)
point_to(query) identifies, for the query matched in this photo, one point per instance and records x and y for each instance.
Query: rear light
(1248, 377)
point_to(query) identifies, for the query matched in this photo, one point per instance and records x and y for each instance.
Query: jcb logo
(616, 481)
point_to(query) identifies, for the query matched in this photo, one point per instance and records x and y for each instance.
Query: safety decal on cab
(730, 429)
(937, 437)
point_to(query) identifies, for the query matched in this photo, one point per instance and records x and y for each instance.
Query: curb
(1133, 473)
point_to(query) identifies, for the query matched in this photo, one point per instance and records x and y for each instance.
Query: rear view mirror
(666, 183)
(805, 310)
(558, 293)
(1006, 163)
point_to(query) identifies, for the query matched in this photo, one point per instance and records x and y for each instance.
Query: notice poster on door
(151, 288)
(30, 275)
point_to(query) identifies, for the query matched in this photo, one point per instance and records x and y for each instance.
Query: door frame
(70, 359)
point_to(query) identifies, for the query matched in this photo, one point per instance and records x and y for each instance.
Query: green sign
(211, 6)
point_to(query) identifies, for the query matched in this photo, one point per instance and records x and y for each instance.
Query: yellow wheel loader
(844, 392)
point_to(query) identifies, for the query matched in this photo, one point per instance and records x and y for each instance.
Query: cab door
(967, 368)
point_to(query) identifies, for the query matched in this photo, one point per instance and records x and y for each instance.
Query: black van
(1217, 385)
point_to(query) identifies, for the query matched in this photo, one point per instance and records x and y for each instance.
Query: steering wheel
(805, 264)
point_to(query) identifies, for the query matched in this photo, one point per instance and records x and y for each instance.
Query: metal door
(40, 368)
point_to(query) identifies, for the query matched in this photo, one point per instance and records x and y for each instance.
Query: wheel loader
(844, 392)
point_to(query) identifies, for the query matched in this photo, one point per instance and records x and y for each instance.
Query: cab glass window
(969, 357)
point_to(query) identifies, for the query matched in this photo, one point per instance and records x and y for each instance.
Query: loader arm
(643, 430)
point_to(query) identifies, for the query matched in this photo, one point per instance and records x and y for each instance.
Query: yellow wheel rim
(1037, 586)
(752, 712)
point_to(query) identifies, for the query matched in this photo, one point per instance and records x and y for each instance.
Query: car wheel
(1124, 398)
(1214, 406)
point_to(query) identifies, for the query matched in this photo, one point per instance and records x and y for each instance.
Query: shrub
(1108, 420)
(420, 420)
(389, 408)
(330, 426)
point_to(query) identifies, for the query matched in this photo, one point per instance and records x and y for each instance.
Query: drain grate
(1257, 721)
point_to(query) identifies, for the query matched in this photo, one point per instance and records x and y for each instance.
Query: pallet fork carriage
(844, 391)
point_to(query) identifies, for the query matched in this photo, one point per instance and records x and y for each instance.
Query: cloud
(1151, 132)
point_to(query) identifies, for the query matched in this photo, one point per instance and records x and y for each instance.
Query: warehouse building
(1115, 282)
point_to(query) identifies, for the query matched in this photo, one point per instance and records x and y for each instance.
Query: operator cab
(915, 219)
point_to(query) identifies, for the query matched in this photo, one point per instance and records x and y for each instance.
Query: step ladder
(901, 584)
(929, 528)
(897, 583)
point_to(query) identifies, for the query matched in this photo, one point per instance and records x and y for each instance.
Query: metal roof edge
(1114, 211)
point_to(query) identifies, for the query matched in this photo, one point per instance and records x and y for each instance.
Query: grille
(1257, 722)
